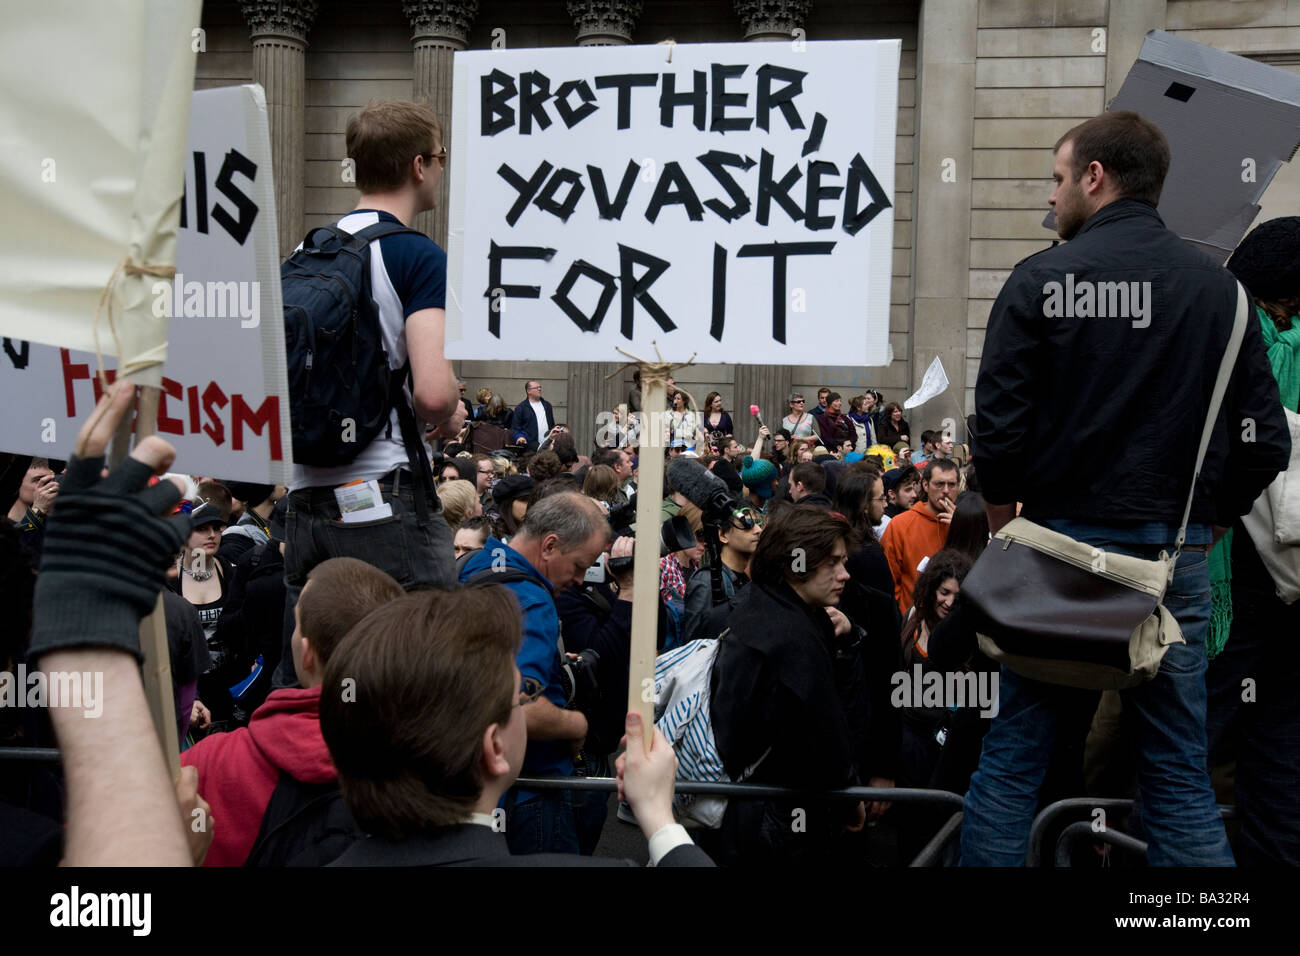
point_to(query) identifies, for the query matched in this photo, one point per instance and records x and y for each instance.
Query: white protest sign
(728, 200)
(94, 107)
(932, 385)
(224, 399)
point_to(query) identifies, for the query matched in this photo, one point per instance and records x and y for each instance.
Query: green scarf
(1284, 356)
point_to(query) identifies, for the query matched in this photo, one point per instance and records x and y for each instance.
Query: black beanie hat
(249, 492)
(1268, 260)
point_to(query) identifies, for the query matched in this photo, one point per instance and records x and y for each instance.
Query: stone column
(772, 19)
(945, 111)
(604, 22)
(767, 386)
(438, 29)
(1126, 27)
(279, 33)
(597, 23)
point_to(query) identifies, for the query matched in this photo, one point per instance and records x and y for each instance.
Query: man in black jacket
(533, 418)
(1096, 377)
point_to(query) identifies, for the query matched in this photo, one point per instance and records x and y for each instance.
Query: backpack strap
(416, 459)
(379, 230)
(294, 806)
(492, 576)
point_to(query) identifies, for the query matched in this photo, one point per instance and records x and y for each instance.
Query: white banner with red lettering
(224, 402)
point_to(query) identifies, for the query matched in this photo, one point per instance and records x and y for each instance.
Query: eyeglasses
(531, 691)
(440, 156)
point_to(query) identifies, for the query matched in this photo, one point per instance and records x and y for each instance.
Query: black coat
(524, 422)
(471, 844)
(1099, 418)
(786, 690)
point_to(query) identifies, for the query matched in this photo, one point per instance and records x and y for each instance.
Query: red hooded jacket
(238, 771)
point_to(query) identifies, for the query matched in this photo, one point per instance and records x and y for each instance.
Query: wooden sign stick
(157, 673)
(645, 557)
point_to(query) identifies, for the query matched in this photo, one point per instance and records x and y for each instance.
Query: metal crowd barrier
(1051, 813)
(939, 851)
(1082, 830)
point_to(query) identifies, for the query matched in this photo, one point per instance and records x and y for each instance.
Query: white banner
(224, 402)
(94, 105)
(728, 200)
(933, 385)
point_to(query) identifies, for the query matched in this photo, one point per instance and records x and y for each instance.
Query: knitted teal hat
(757, 476)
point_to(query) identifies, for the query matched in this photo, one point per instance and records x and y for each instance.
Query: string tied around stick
(658, 372)
(126, 367)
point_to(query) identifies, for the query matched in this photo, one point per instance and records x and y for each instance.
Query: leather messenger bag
(1058, 610)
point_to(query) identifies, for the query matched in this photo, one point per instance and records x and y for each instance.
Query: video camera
(675, 534)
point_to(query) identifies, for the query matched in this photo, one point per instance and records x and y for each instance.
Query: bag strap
(382, 228)
(1216, 400)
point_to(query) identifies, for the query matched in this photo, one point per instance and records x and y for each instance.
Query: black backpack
(337, 365)
(305, 824)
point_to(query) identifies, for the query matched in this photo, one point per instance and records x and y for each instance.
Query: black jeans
(417, 556)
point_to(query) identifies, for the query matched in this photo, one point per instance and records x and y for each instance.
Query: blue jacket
(523, 423)
(539, 654)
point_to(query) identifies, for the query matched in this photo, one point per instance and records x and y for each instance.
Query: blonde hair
(458, 498)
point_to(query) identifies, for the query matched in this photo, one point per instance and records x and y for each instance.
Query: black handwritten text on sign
(763, 171)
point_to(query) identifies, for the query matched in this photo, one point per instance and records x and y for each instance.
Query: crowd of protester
(370, 696)
(889, 538)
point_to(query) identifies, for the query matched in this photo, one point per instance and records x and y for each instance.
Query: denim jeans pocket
(382, 543)
(1191, 581)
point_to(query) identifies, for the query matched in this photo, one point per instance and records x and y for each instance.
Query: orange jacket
(910, 537)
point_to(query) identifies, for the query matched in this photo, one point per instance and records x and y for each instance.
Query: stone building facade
(985, 88)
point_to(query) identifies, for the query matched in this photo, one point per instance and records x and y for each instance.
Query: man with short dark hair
(902, 488)
(621, 461)
(426, 754)
(1118, 334)
(916, 534)
(733, 451)
(923, 454)
(808, 481)
(562, 535)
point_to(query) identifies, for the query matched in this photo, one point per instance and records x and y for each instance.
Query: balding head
(563, 535)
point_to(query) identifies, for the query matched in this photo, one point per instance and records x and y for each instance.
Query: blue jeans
(542, 823)
(1175, 801)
